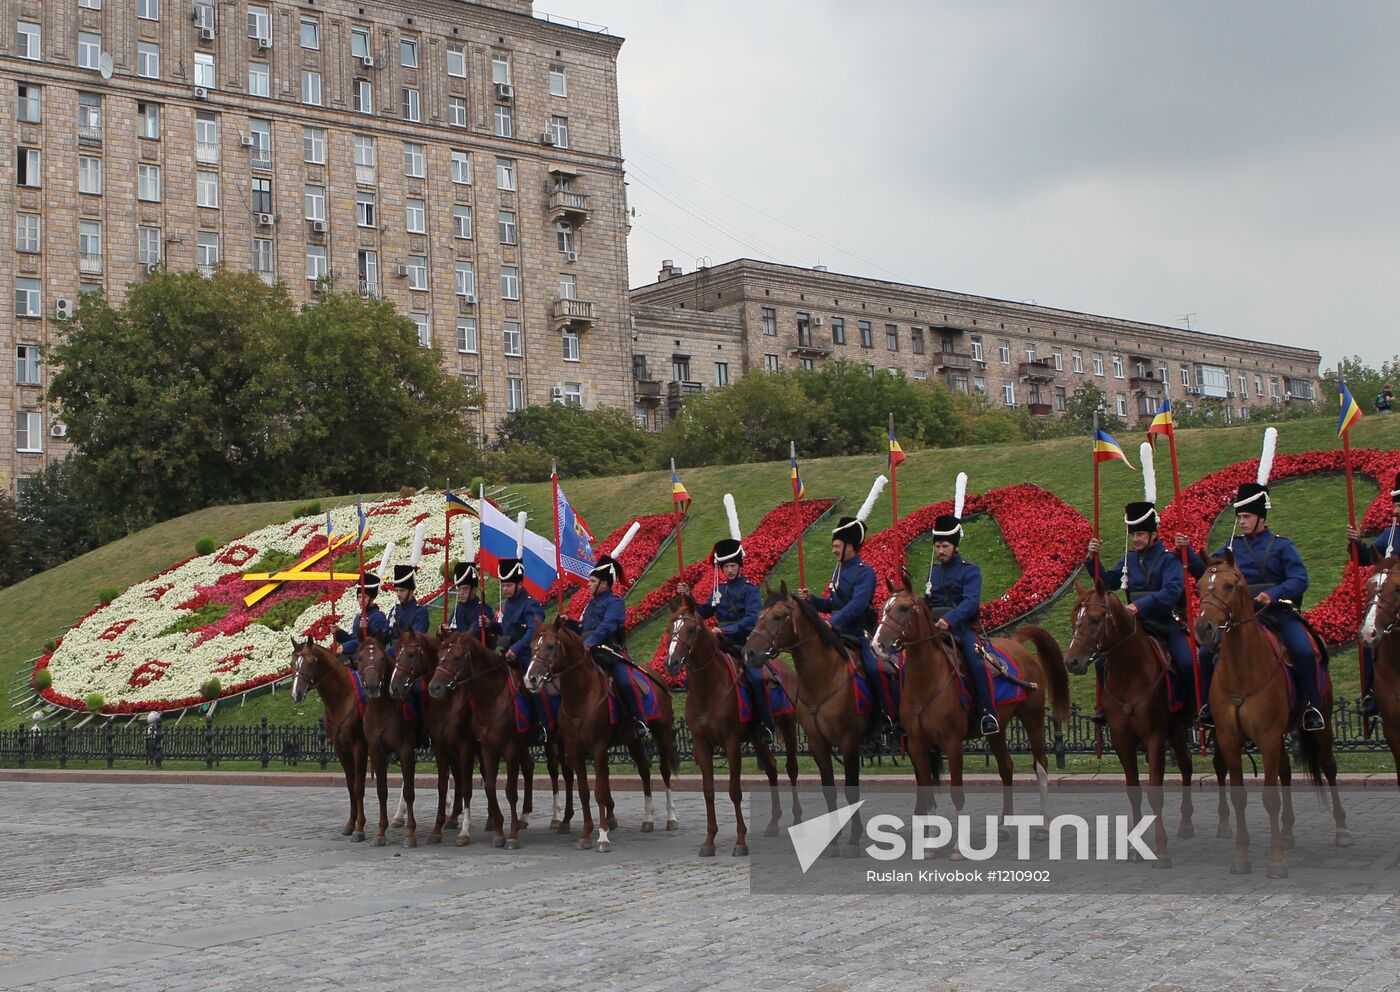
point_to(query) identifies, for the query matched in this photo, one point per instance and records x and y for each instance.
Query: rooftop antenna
(1185, 318)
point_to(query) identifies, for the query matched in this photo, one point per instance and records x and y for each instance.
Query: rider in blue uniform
(407, 613)
(604, 629)
(471, 614)
(375, 621)
(1387, 544)
(521, 616)
(954, 587)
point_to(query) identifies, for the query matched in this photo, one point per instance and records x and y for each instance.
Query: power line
(663, 189)
(748, 245)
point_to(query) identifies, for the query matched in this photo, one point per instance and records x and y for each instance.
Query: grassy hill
(1311, 511)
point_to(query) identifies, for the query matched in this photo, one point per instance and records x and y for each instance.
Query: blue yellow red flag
(1351, 410)
(1106, 449)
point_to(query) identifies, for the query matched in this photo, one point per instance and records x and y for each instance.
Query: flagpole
(500, 595)
(1351, 545)
(359, 525)
(676, 515)
(801, 533)
(330, 582)
(894, 495)
(447, 548)
(558, 555)
(1098, 565)
(1190, 588)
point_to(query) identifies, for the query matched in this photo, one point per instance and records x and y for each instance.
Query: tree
(1080, 407)
(1364, 381)
(862, 403)
(583, 442)
(61, 513)
(16, 556)
(751, 420)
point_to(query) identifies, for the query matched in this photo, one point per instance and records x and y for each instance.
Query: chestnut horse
(558, 653)
(465, 665)
(386, 730)
(1380, 630)
(448, 722)
(1249, 702)
(1135, 700)
(931, 709)
(712, 714)
(315, 667)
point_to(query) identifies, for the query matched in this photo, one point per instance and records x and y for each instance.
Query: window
(1244, 384)
(206, 252)
(264, 259)
(362, 96)
(505, 173)
(804, 330)
(259, 23)
(1057, 355)
(207, 189)
(365, 208)
(505, 127)
(148, 245)
(148, 183)
(315, 263)
(891, 337)
(425, 331)
(204, 17)
(27, 232)
(261, 191)
(313, 145)
(90, 4)
(838, 330)
(979, 383)
(564, 236)
(1004, 352)
(364, 158)
(261, 133)
(770, 321)
(680, 368)
(1008, 392)
(29, 432)
(1117, 366)
(558, 83)
(148, 60)
(359, 42)
(510, 282)
(500, 68)
(310, 33)
(916, 340)
(867, 335)
(721, 374)
(90, 246)
(1186, 375)
(461, 221)
(417, 266)
(770, 363)
(315, 200)
(466, 335)
(206, 136)
(514, 341)
(89, 50)
(204, 74)
(1258, 385)
(1120, 404)
(457, 61)
(89, 174)
(1060, 399)
(148, 120)
(28, 298)
(1030, 351)
(1273, 388)
(570, 345)
(415, 216)
(413, 160)
(464, 278)
(515, 394)
(28, 167)
(408, 51)
(367, 267)
(573, 394)
(461, 168)
(457, 111)
(1098, 364)
(505, 224)
(977, 349)
(568, 286)
(259, 79)
(559, 127)
(411, 109)
(27, 365)
(30, 109)
(311, 88)
(31, 41)
(1077, 362)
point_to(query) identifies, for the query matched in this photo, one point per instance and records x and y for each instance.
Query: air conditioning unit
(200, 93)
(264, 43)
(319, 226)
(402, 271)
(150, 268)
(63, 308)
(816, 322)
(59, 429)
(469, 298)
(367, 61)
(557, 394)
(571, 256)
(246, 140)
(265, 220)
(206, 34)
(547, 138)
(505, 91)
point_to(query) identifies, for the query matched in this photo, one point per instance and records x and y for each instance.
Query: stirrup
(989, 724)
(1312, 720)
(1204, 718)
(643, 731)
(1366, 706)
(1100, 716)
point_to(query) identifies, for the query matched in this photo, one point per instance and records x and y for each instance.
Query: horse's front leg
(444, 762)
(513, 794)
(736, 795)
(603, 793)
(704, 754)
(379, 757)
(407, 761)
(1156, 776)
(850, 754)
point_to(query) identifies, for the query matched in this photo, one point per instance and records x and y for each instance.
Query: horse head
(451, 664)
(1222, 597)
(684, 632)
(547, 654)
(902, 615)
(374, 668)
(304, 658)
(1382, 616)
(776, 630)
(413, 656)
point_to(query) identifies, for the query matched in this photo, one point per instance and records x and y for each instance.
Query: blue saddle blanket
(1004, 690)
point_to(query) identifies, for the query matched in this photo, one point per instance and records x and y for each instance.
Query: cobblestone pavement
(237, 887)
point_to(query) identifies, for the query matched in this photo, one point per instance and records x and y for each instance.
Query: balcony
(807, 348)
(565, 204)
(89, 134)
(90, 262)
(576, 312)
(945, 360)
(1039, 409)
(262, 159)
(648, 391)
(677, 392)
(1148, 381)
(1041, 370)
(206, 151)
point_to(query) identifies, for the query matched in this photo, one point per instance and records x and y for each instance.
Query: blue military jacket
(520, 618)
(1269, 563)
(1390, 537)
(849, 602)
(1156, 581)
(956, 586)
(605, 621)
(738, 608)
(349, 641)
(408, 615)
(473, 615)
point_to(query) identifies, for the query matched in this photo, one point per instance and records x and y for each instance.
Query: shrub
(107, 593)
(43, 678)
(211, 689)
(204, 546)
(313, 508)
(93, 702)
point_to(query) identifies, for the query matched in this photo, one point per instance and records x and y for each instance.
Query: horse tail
(1312, 756)
(1052, 666)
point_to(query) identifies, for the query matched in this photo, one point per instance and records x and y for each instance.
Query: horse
(386, 729)
(448, 722)
(1249, 702)
(931, 709)
(465, 665)
(1135, 700)
(1380, 630)
(315, 667)
(558, 653)
(712, 714)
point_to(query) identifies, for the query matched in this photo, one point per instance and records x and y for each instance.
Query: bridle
(1228, 609)
(551, 673)
(684, 621)
(901, 640)
(775, 648)
(299, 665)
(418, 654)
(457, 650)
(1096, 648)
(1385, 607)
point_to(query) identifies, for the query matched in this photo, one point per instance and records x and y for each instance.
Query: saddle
(853, 652)
(1270, 622)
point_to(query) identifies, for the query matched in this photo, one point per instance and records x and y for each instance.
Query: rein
(775, 649)
(733, 674)
(901, 643)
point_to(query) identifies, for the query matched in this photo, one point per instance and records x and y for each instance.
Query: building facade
(462, 159)
(766, 316)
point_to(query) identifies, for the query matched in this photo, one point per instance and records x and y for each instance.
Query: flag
(363, 526)
(1162, 423)
(498, 541)
(457, 506)
(575, 542)
(1351, 410)
(798, 489)
(329, 531)
(1106, 449)
(896, 452)
(679, 496)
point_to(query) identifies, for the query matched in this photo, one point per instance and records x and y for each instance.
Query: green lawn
(1312, 512)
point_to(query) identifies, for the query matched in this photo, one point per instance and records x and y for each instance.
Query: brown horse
(315, 667)
(1380, 630)
(560, 654)
(1135, 699)
(931, 708)
(386, 730)
(1249, 702)
(448, 722)
(465, 665)
(712, 714)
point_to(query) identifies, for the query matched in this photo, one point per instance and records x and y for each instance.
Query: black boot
(1100, 716)
(1204, 718)
(990, 725)
(643, 731)
(1367, 704)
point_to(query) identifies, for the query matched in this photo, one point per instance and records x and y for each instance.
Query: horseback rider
(471, 614)
(1384, 546)
(850, 591)
(604, 629)
(954, 590)
(736, 605)
(521, 615)
(407, 614)
(375, 623)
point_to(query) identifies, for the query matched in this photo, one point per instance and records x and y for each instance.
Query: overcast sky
(1236, 161)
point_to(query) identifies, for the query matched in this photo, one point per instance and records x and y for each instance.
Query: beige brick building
(462, 159)
(692, 331)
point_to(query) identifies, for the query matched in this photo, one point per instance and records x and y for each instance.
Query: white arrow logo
(810, 838)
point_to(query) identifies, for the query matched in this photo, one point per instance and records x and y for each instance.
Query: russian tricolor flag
(498, 541)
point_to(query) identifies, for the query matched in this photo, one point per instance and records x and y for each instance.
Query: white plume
(520, 534)
(880, 483)
(733, 512)
(626, 539)
(1266, 458)
(1149, 473)
(469, 542)
(959, 494)
(384, 560)
(419, 533)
